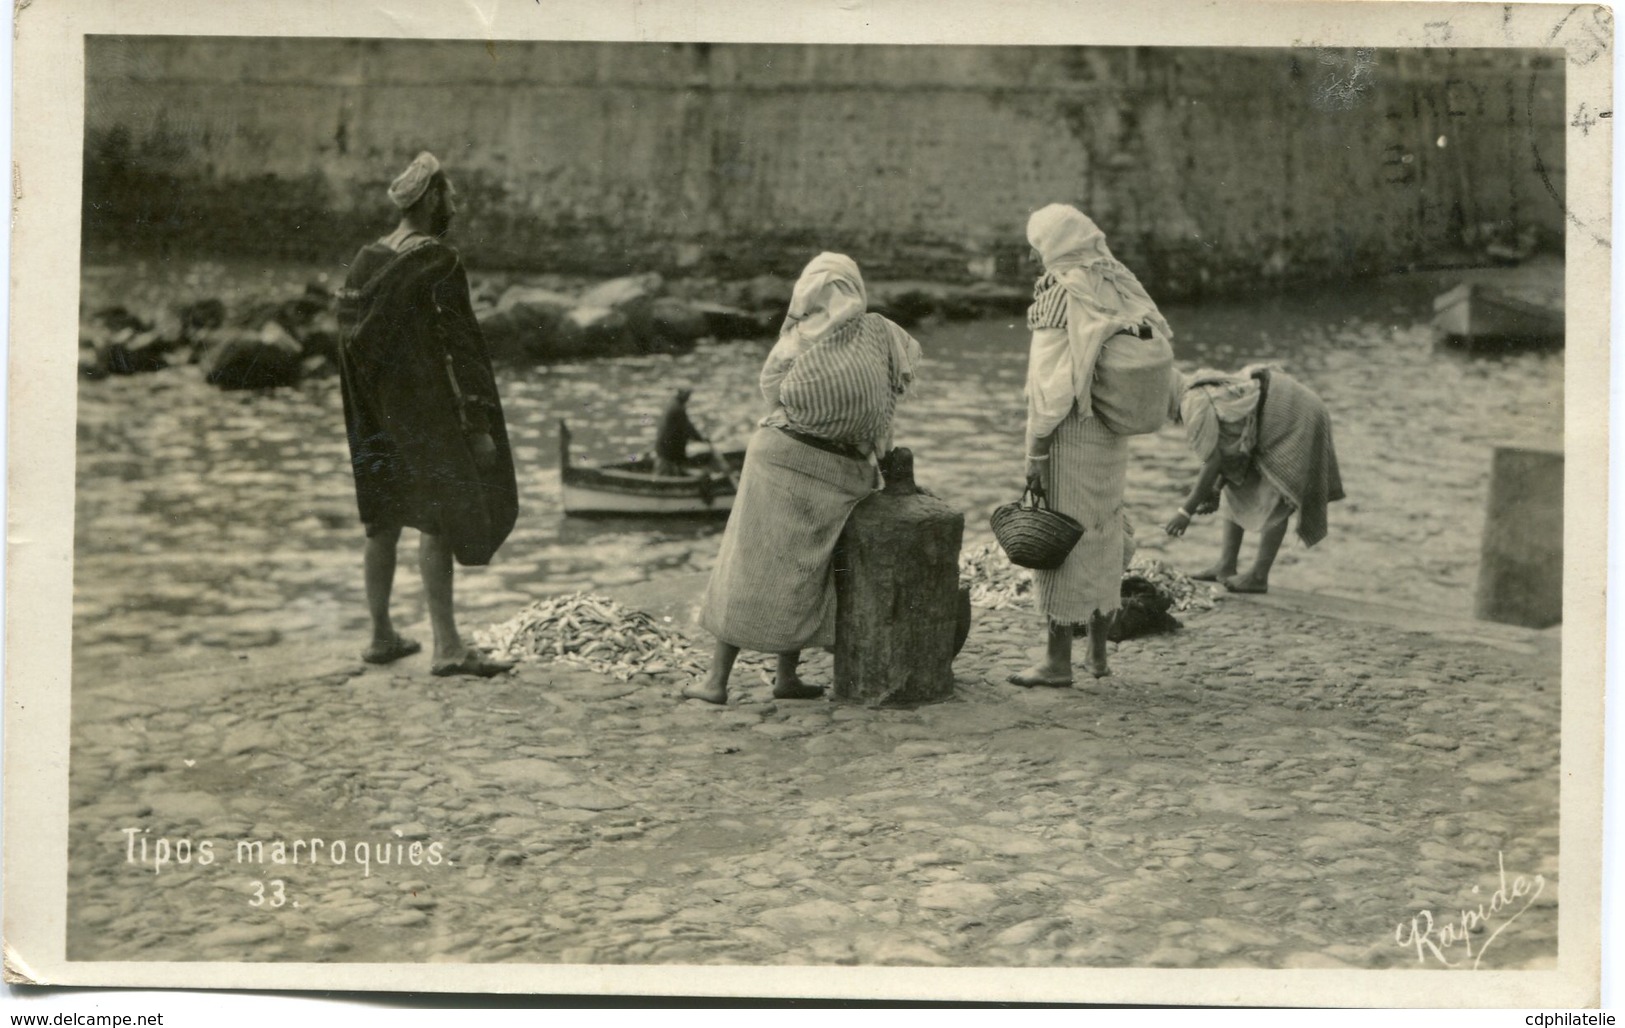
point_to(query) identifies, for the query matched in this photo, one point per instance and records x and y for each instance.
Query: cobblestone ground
(1265, 789)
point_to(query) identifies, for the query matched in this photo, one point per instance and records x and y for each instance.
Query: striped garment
(1048, 308)
(1296, 454)
(843, 388)
(773, 587)
(1087, 465)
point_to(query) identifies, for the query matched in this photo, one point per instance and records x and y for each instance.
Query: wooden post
(1520, 571)
(897, 592)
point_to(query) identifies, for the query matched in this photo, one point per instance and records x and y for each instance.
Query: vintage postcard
(890, 500)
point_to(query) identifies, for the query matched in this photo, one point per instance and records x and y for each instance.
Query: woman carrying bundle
(833, 380)
(1079, 417)
(1265, 442)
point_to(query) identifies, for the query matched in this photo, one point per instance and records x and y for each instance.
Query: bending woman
(833, 380)
(1084, 297)
(1265, 442)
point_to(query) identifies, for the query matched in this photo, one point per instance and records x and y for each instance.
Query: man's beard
(440, 224)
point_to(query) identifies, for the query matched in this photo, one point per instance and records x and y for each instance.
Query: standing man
(427, 440)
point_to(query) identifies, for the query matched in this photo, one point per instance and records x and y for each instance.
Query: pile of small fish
(997, 584)
(1187, 593)
(593, 632)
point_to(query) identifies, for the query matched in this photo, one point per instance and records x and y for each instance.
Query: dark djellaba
(427, 437)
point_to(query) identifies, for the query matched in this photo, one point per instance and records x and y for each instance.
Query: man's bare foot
(1216, 573)
(707, 691)
(793, 688)
(1042, 675)
(1247, 584)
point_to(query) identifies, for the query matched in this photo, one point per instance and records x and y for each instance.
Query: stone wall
(1205, 167)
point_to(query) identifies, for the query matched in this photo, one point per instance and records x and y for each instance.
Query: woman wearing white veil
(1084, 298)
(833, 380)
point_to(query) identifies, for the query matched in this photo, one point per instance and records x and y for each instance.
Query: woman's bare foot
(709, 691)
(1216, 573)
(472, 663)
(390, 648)
(1247, 583)
(791, 687)
(1042, 675)
(1098, 668)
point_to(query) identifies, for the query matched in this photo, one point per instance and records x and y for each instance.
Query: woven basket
(1035, 536)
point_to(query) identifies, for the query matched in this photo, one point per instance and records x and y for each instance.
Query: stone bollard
(1520, 572)
(899, 607)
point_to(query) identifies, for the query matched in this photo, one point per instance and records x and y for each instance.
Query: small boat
(632, 487)
(1477, 314)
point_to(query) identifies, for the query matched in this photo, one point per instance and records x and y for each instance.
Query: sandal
(399, 647)
(475, 664)
(1029, 683)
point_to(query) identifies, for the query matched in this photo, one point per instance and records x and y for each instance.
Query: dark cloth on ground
(1145, 611)
(418, 388)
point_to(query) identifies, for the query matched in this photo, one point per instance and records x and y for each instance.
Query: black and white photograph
(814, 503)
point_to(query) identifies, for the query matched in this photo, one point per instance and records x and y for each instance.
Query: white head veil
(828, 294)
(1210, 397)
(1103, 298)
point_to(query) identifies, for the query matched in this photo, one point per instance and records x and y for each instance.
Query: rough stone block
(897, 593)
(1520, 573)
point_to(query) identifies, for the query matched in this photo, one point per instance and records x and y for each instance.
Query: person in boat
(833, 381)
(1265, 442)
(1083, 298)
(673, 434)
(428, 443)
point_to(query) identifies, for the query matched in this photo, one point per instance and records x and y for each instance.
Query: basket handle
(1036, 491)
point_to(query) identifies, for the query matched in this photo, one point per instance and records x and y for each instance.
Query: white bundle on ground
(997, 584)
(593, 632)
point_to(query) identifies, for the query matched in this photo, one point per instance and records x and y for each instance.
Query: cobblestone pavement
(1268, 788)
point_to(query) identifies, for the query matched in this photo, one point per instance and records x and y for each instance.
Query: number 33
(277, 896)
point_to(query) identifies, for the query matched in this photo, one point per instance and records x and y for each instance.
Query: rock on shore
(262, 344)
